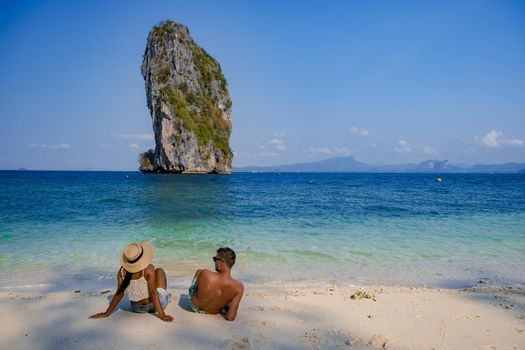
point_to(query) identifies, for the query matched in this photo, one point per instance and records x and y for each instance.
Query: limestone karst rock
(190, 106)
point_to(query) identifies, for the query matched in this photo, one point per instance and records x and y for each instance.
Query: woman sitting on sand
(144, 285)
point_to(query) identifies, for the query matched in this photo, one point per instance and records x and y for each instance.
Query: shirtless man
(217, 292)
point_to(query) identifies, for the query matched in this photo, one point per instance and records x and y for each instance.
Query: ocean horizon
(61, 229)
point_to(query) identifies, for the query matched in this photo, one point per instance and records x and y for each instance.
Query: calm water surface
(392, 229)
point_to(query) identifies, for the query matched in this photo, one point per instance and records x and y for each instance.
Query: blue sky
(384, 81)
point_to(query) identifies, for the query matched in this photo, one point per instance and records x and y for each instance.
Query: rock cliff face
(189, 102)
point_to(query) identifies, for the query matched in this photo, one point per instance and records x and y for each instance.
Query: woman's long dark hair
(125, 282)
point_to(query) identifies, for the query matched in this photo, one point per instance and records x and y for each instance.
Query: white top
(138, 289)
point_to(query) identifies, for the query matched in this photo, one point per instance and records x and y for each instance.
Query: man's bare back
(216, 292)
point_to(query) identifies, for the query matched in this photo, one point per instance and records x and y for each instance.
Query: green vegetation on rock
(146, 160)
(164, 75)
(202, 117)
(209, 69)
(164, 27)
(198, 111)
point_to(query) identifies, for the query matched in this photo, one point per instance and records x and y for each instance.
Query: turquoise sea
(60, 230)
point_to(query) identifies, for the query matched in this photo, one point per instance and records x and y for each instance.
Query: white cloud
(493, 140)
(404, 147)
(56, 146)
(270, 148)
(342, 150)
(320, 150)
(429, 150)
(134, 145)
(330, 151)
(407, 149)
(358, 132)
(267, 154)
(136, 137)
(278, 143)
(512, 142)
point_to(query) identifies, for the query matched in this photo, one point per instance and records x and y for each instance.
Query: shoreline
(49, 281)
(288, 316)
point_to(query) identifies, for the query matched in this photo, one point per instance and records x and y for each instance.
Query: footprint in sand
(280, 309)
(311, 337)
(330, 339)
(243, 343)
(379, 341)
(262, 336)
(256, 323)
(256, 308)
(301, 319)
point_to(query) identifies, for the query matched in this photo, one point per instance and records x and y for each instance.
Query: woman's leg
(160, 278)
(160, 282)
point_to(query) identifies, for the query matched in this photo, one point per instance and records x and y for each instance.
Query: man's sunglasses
(215, 259)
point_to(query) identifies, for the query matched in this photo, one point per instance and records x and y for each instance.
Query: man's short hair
(228, 255)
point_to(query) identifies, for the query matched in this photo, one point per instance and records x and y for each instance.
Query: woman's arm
(154, 297)
(114, 302)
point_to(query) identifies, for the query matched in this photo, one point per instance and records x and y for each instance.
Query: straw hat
(136, 256)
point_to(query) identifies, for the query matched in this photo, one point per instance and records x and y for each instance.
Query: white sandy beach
(276, 317)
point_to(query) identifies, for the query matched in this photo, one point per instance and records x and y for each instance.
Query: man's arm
(196, 277)
(234, 305)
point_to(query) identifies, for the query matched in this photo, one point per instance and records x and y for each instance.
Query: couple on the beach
(209, 293)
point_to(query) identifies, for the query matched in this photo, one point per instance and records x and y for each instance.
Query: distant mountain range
(351, 165)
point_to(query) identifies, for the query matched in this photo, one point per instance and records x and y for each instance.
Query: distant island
(351, 165)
